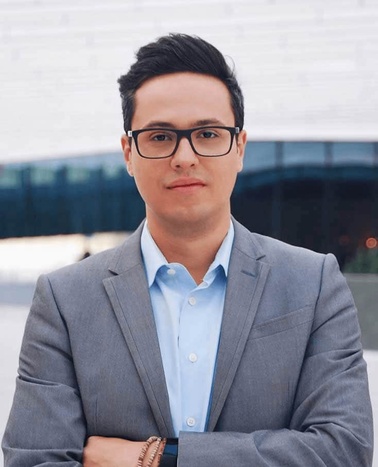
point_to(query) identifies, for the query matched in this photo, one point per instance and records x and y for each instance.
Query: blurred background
(309, 71)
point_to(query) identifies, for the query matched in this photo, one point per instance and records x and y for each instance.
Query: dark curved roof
(95, 193)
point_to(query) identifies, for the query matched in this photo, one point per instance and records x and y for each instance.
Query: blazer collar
(128, 255)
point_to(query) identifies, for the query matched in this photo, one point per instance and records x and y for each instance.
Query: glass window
(77, 174)
(113, 171)
(9, 177)
(353, 153)
(259, 155)
(303, 153)
(42, 176)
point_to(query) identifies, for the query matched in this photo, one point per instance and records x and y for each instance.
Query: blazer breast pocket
(283, 323)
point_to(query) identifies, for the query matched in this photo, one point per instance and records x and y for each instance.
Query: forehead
(181, 99)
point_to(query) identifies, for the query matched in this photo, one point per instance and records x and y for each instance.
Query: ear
(126, 148)
(241, 144)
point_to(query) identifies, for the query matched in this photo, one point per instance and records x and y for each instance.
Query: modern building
(320, 195)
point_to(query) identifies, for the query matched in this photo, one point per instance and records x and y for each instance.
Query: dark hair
(178, 53)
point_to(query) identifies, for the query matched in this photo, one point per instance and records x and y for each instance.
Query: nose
(184, 156)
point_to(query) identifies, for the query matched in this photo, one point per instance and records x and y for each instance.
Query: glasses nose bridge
(184, 134)
(180, 134)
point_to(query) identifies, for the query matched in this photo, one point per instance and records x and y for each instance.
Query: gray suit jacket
(290, 387)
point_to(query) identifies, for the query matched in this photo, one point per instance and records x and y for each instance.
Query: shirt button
(192, 301)
(171, 272)
(190, 421)
(193, 357)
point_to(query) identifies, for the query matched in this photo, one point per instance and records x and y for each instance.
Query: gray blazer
(290, 387)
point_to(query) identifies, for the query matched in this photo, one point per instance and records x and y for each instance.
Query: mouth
(186, 184)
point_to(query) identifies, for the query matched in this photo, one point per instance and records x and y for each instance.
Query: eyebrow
(203, 122)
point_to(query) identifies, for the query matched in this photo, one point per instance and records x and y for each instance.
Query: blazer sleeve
(331, 423)
(46, 425)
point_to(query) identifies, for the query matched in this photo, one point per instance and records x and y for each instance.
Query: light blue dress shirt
(188, 320)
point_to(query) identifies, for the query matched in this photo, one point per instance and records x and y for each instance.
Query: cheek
(146, 179)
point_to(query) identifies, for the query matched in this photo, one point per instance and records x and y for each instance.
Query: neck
(193, 246)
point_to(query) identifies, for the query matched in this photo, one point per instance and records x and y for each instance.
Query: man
(246, 351)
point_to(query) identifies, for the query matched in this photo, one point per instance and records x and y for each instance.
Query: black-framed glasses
(206, 141)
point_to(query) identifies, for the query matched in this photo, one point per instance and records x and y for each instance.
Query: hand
(111, 452)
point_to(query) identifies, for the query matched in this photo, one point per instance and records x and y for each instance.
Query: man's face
(186, 188)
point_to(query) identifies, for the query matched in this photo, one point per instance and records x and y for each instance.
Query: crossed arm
(113, 452)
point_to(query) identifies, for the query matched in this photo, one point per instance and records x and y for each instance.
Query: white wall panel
(309, 69)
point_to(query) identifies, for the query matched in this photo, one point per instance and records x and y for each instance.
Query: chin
(193, 217)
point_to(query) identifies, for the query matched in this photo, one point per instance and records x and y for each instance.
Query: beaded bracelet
(160, 455)
(154, 452)
(143, 452)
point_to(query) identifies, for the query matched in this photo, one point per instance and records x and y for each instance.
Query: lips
(186, 183)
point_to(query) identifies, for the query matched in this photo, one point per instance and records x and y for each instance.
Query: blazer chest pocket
(283, 323)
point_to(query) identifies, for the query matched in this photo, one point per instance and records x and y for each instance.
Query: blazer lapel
(245, 284)
(129, 296)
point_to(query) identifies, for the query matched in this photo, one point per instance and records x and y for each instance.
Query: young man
(246, 351)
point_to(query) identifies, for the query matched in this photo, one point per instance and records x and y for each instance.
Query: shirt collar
(154, 259)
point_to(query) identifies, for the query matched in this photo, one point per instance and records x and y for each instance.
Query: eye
(161, 137)
(207, 134)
